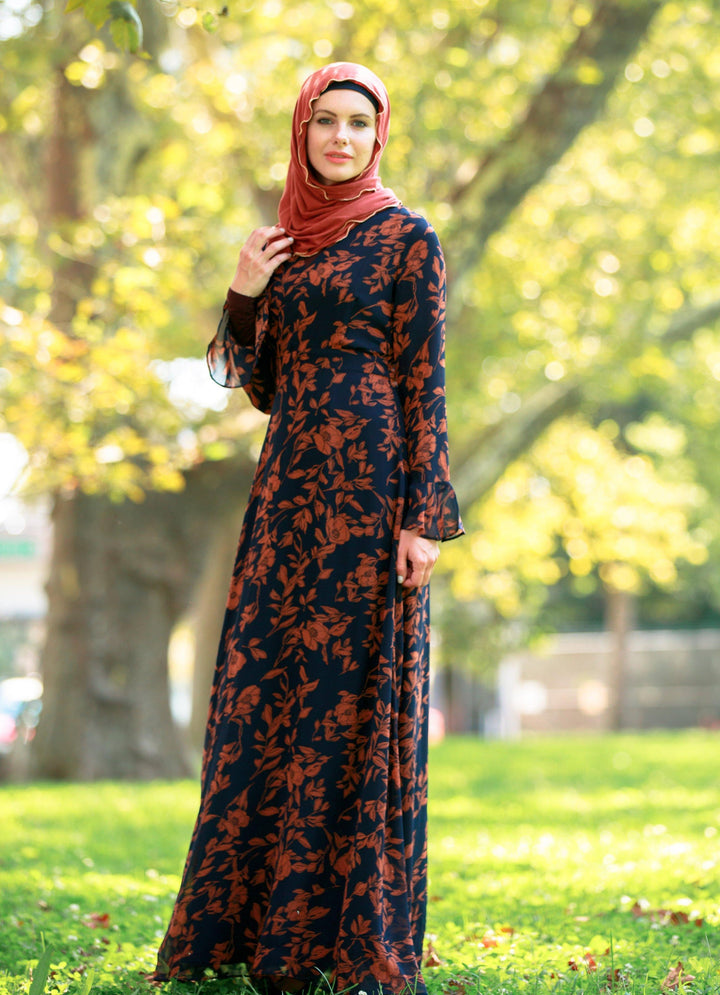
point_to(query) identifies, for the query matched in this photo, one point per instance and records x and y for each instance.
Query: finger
(275, 261)
(260, 236)
(411, 574)
(271, 249)
(402, 564)
(268, 236)
(425, 573)
(268, 232)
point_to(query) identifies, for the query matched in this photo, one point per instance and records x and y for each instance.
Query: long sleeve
(241, 353)
(419, 346)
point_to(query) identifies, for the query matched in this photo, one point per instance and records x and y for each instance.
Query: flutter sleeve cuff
(234, 362)
(432, 511)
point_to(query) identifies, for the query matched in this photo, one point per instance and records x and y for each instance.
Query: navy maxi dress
(309, 853)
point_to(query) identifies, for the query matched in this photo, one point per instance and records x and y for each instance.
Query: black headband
(349, 84)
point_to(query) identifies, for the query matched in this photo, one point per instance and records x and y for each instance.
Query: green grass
(539, 851)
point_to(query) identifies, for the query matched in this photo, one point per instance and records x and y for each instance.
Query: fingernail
(401, 580)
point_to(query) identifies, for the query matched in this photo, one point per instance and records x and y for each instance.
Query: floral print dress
(308, 859)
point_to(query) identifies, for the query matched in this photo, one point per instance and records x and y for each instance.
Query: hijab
(317, 215)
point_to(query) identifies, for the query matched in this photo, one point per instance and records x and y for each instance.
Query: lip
(337, 156)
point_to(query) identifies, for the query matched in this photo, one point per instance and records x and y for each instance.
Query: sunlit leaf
(96, 11)
(126, 27)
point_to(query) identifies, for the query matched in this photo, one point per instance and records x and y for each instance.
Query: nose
(341, 134)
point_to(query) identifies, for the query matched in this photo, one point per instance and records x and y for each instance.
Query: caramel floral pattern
(309, 853)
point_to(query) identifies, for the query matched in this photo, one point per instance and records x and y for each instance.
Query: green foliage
(577, 503)
(108, 424)
(558, 865)
(126, 28)
(96, 11)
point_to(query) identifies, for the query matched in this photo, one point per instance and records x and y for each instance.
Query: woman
(308, 860)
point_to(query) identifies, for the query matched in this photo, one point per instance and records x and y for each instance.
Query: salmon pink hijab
(316, 215)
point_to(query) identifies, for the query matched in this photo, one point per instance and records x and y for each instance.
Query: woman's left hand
(416, 557)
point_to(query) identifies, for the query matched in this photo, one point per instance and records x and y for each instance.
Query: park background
(567, 154)
(566, 151)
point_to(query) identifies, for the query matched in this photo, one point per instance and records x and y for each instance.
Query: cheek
(311, 143)
(369, 146)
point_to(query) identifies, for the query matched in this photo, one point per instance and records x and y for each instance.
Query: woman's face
(340, 135)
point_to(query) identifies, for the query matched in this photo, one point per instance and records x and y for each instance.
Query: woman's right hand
(261, 255)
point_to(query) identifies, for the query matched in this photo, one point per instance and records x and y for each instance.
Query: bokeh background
(567, 153)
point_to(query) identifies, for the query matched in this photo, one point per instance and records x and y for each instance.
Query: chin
(333, 181)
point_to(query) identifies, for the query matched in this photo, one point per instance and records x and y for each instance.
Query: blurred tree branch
(687, 321)
(569, 101)
(479, 465)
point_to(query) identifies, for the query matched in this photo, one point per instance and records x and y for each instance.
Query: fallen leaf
(675, 977)
(616, 977)
(432, 958)
(98, 920)
(589, 963)
(666, 917)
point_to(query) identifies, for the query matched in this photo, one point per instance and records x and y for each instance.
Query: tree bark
(113, 593)
(206, 617)
(619, 622)
(121, 576)
(479, 466)
(63, 152)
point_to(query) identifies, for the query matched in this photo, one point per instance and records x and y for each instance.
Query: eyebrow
(320, 110)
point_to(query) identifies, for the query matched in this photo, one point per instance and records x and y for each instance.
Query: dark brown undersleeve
(242, 317)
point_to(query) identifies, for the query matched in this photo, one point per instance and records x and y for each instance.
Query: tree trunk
(121, 576)
(619, 622)
(206, 615)
(113, 593)
(458, 694)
